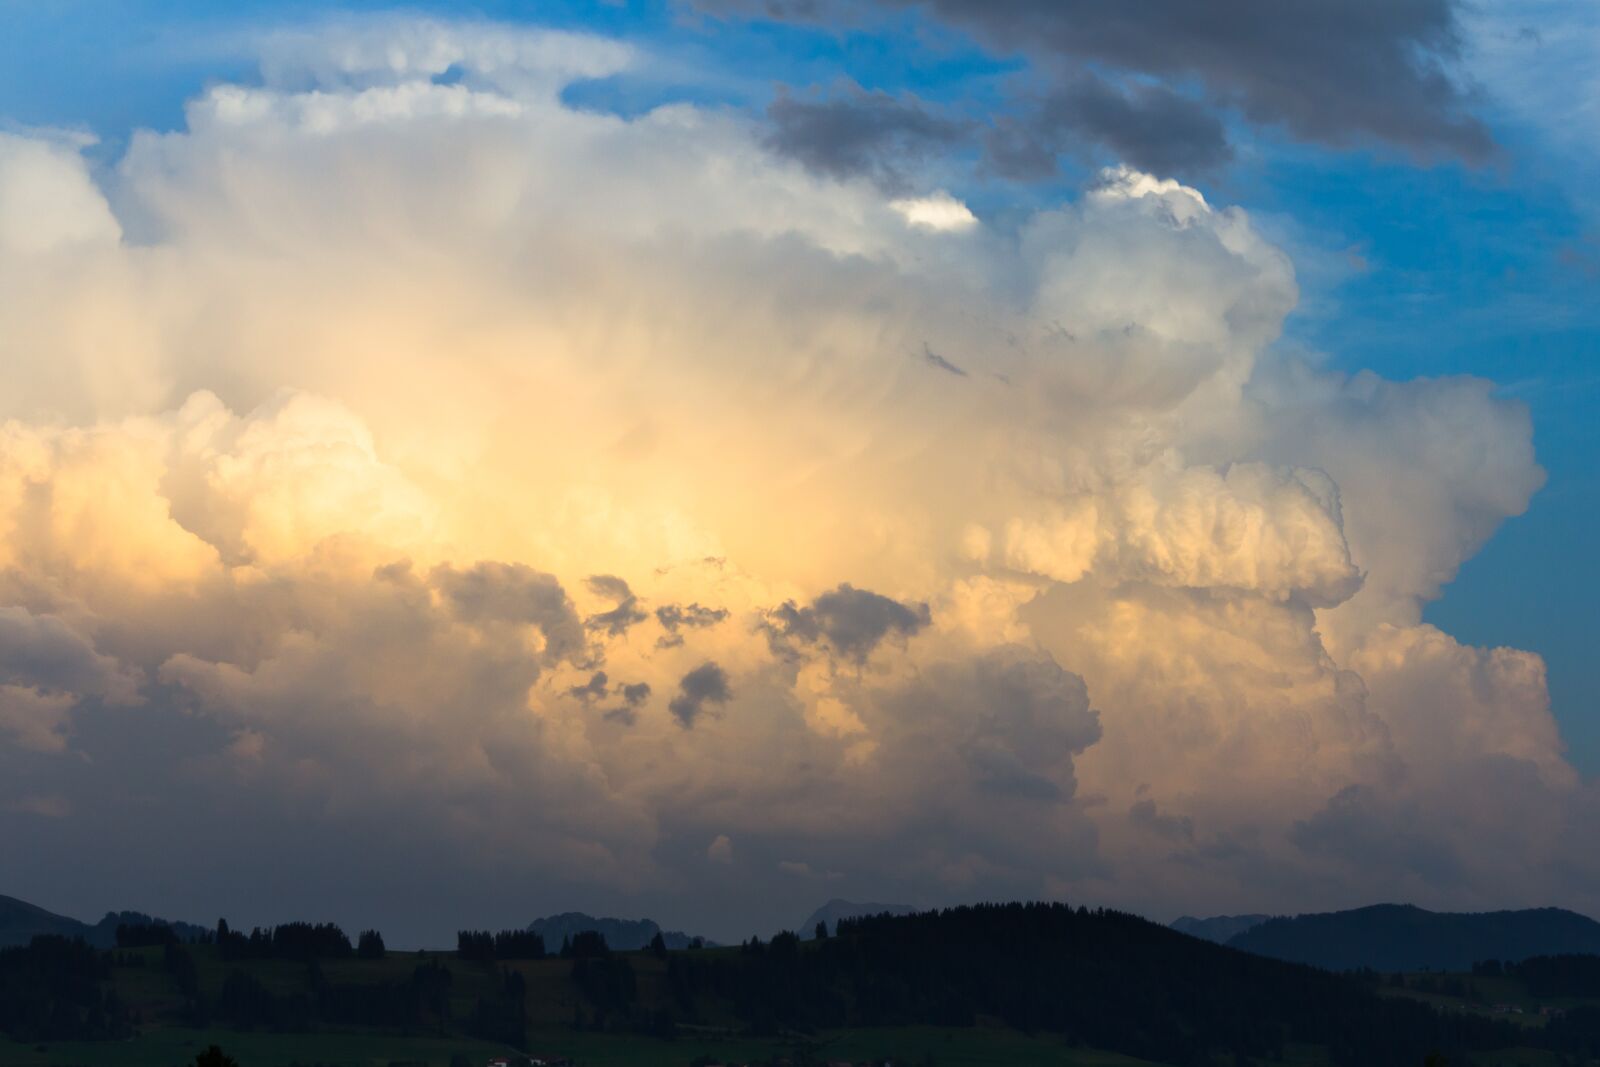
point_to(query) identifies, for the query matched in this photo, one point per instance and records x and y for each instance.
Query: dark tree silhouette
(215, 1057)
(369, 946)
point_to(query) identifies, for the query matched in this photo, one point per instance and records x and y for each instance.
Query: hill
(1400, 937)
(21, 922)
(1218, 928)
(837, 909)
(623, 935)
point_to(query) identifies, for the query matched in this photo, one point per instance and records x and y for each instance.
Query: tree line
(1099, 978)
(1567, 975)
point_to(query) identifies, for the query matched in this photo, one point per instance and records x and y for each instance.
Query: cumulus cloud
(47, 199)
(537, 528)
(938, 211)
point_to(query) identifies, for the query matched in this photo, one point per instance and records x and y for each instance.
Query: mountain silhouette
(624, 935)
(837, 909)
(1218, 928)
(1401, 937)
(21, 922)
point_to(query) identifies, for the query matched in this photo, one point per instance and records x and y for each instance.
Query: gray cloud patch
(851, 621)
(632, 696)
(676, 617)
(706, 684)
(1148, 126)
(1358, 827)
(856, 133)
(627, 612)
(515, 594)
(42, 651)
(593, 689)
(999, 770)
(934, 359)
(1328, 71)
(1145, 815)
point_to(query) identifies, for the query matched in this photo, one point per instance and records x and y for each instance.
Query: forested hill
(1399, 937)
(1106, 979)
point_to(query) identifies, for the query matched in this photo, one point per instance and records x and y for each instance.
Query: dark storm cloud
(44, 652)
(858, 133)
(1328, 71)
(999, 770)
(1150, 127)
(851, 621)
(516, 594)
(616, 621)
(706, 684)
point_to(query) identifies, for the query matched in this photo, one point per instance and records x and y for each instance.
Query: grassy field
(552, 999)
(173, 1047)
(949, 1048)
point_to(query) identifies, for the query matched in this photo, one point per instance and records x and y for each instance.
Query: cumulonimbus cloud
(407, 449)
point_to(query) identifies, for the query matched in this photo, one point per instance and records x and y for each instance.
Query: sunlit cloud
(623, 495)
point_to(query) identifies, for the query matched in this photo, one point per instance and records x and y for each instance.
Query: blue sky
(1411, 269)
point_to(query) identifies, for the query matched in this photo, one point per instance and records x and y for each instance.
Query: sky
(699, 458)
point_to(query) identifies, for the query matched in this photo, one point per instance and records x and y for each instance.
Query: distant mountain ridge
(624, 935)
(21, 922)
(1218, 928)
(837, 909)
(1402, 937)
